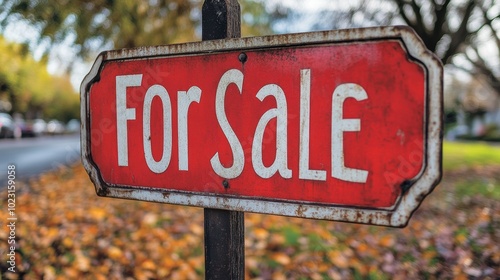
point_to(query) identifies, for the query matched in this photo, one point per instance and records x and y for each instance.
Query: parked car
(31, 128)
(55, 127)
(73, 126)
(26, 127)
(39, 127)
(8, 129)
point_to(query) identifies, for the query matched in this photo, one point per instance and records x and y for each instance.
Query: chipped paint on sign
(338, 125)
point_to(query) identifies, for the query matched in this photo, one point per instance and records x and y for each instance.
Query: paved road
(33, 156)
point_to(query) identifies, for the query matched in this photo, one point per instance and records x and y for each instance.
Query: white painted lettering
(233, 169)
(339, 125)
(184, 99)
(280, 113)
(161, 92)
(305, 108)
(123, 114)
(232, 76)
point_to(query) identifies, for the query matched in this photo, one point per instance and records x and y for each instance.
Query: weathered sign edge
(398, 217)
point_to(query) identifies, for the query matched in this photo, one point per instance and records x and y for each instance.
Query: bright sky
(310, 9)
(65, 53)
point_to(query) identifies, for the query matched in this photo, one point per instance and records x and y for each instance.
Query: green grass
(485, 187)
(470, 154)
(292, 235)
(457, 155)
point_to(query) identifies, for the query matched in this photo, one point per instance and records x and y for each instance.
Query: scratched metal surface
(397, 216)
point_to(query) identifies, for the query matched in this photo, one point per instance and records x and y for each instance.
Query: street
(33, 156)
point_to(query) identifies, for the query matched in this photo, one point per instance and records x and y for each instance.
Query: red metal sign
(341, 125)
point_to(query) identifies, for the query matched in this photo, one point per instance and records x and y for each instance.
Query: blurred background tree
(85, 28)
(465, 34)
(93, 25)
(27, 88)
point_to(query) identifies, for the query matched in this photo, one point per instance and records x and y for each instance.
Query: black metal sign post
(224, 229)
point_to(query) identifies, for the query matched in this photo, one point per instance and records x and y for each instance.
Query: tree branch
(489, 22)
(481, 66)
(459, 36)
(440, 12)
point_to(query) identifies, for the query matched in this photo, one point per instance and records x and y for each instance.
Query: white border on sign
(396, 217)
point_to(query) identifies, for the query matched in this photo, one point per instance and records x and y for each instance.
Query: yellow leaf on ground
(338, 259)
(71, 273)
(362, 248)
(461, 238)
(150, 219)
(427, 255)
(277, 240)
(82, 262)
(260, 233)
(281, 258)
(49, 273)
(97, 213)
(67, 242)
(387, 241)
(100, 277)
(148, 264)
(278, 275)
(115, 253)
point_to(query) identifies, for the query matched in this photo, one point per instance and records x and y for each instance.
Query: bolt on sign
(338, 125)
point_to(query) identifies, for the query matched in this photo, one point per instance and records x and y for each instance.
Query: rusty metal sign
(338, 125)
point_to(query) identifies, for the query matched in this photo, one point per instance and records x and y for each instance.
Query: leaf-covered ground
(64, 231)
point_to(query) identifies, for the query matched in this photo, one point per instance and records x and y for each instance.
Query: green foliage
(96, 23)
(257, 20)
(88, 27)
(92, 25)
(292, 235)
(486, 187)
(317, 244)
(470, 154)
(482, 158)
(30, 89)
